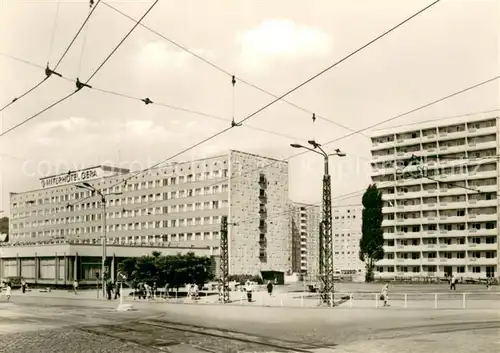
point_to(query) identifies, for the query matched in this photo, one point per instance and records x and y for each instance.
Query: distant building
(347, 222)
(56, 231)
(305, 239)
(441, 206)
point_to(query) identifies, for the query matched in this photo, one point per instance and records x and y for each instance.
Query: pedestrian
(488, 283)
(453, 282)
(8, 291)
(196, 291)
(23, 286)
(75, 287)
(109, 289)
(270, 288)
(384, 295)
(117, 289)
(249, 290)
(147, 291)
(155, 288)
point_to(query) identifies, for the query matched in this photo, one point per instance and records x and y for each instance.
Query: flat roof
(426, 124)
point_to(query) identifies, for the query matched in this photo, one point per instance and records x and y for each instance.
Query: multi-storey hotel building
(56, 231)
(441, 206)
(347, 221)
(305, 239)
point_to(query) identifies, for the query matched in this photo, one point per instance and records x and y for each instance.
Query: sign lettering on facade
(72, 177)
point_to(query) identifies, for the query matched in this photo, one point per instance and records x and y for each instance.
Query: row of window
(432, 132)
(216, 189)
(445, 255)
(442, 241)
(442, 227)
(128, 186)
(490, 270)
(189, 222)
(198, 206)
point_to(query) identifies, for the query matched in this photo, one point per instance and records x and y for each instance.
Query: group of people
(143, 290)
(6, 289)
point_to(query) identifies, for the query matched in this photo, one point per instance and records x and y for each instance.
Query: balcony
(483, 203)
(408, 141)
(429, 247)
(481, 145)
(386, 262)
(383, 158)
(452, 149)
(452, 247)
(482, 131)
(445, 135)
(452, 261)
(430, 261)
(407, 262)
(482, 217)
(430, 137)
(474, 261)
(482, 231)
(382, 145)
(452, 205)
(482, 247)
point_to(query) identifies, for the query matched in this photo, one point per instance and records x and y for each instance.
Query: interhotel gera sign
(72, 177)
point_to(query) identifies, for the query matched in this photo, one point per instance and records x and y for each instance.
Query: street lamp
(94, 191)
(325, 239)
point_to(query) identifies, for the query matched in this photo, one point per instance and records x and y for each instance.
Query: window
(476, 269)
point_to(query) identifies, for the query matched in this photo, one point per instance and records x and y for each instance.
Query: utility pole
(94, 191)
(321, 256)
(326, 268)
(224, 260)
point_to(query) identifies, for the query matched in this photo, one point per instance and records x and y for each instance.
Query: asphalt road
(76, 325)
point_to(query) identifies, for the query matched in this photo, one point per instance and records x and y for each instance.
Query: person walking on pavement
(23, 286)
(108, 289)
(249, 289)
(384, 295)
(117, 289)
(269, 288)
(453, 282)
(75, 287)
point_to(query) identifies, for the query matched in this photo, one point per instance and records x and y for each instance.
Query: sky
(274, 45)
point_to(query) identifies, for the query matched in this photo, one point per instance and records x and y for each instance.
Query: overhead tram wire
(285, 94)
(79, 84)
(369, 127)
(304, 152)
(170, 106)
(278, 98)
(49, 72)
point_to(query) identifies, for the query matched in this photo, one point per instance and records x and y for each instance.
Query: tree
(176, 270)
(372, 239)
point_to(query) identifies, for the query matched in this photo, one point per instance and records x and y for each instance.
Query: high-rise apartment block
(440, 187)
(56, 231)
(347, 222)
(305, 239)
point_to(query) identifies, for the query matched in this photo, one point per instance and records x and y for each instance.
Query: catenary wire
(53, 35)
(184, 48)
(46, 77)
(283, 95)
(170, 106)
(88, 80)
(379, 123)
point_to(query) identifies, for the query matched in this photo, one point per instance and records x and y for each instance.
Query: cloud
(282, 39)
(157, 55)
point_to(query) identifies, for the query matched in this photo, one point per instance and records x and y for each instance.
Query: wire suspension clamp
(49, 71)
(80, 85)
(234, 123)
(147, 101)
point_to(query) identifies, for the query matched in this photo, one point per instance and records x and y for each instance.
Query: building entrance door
(447, 271)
